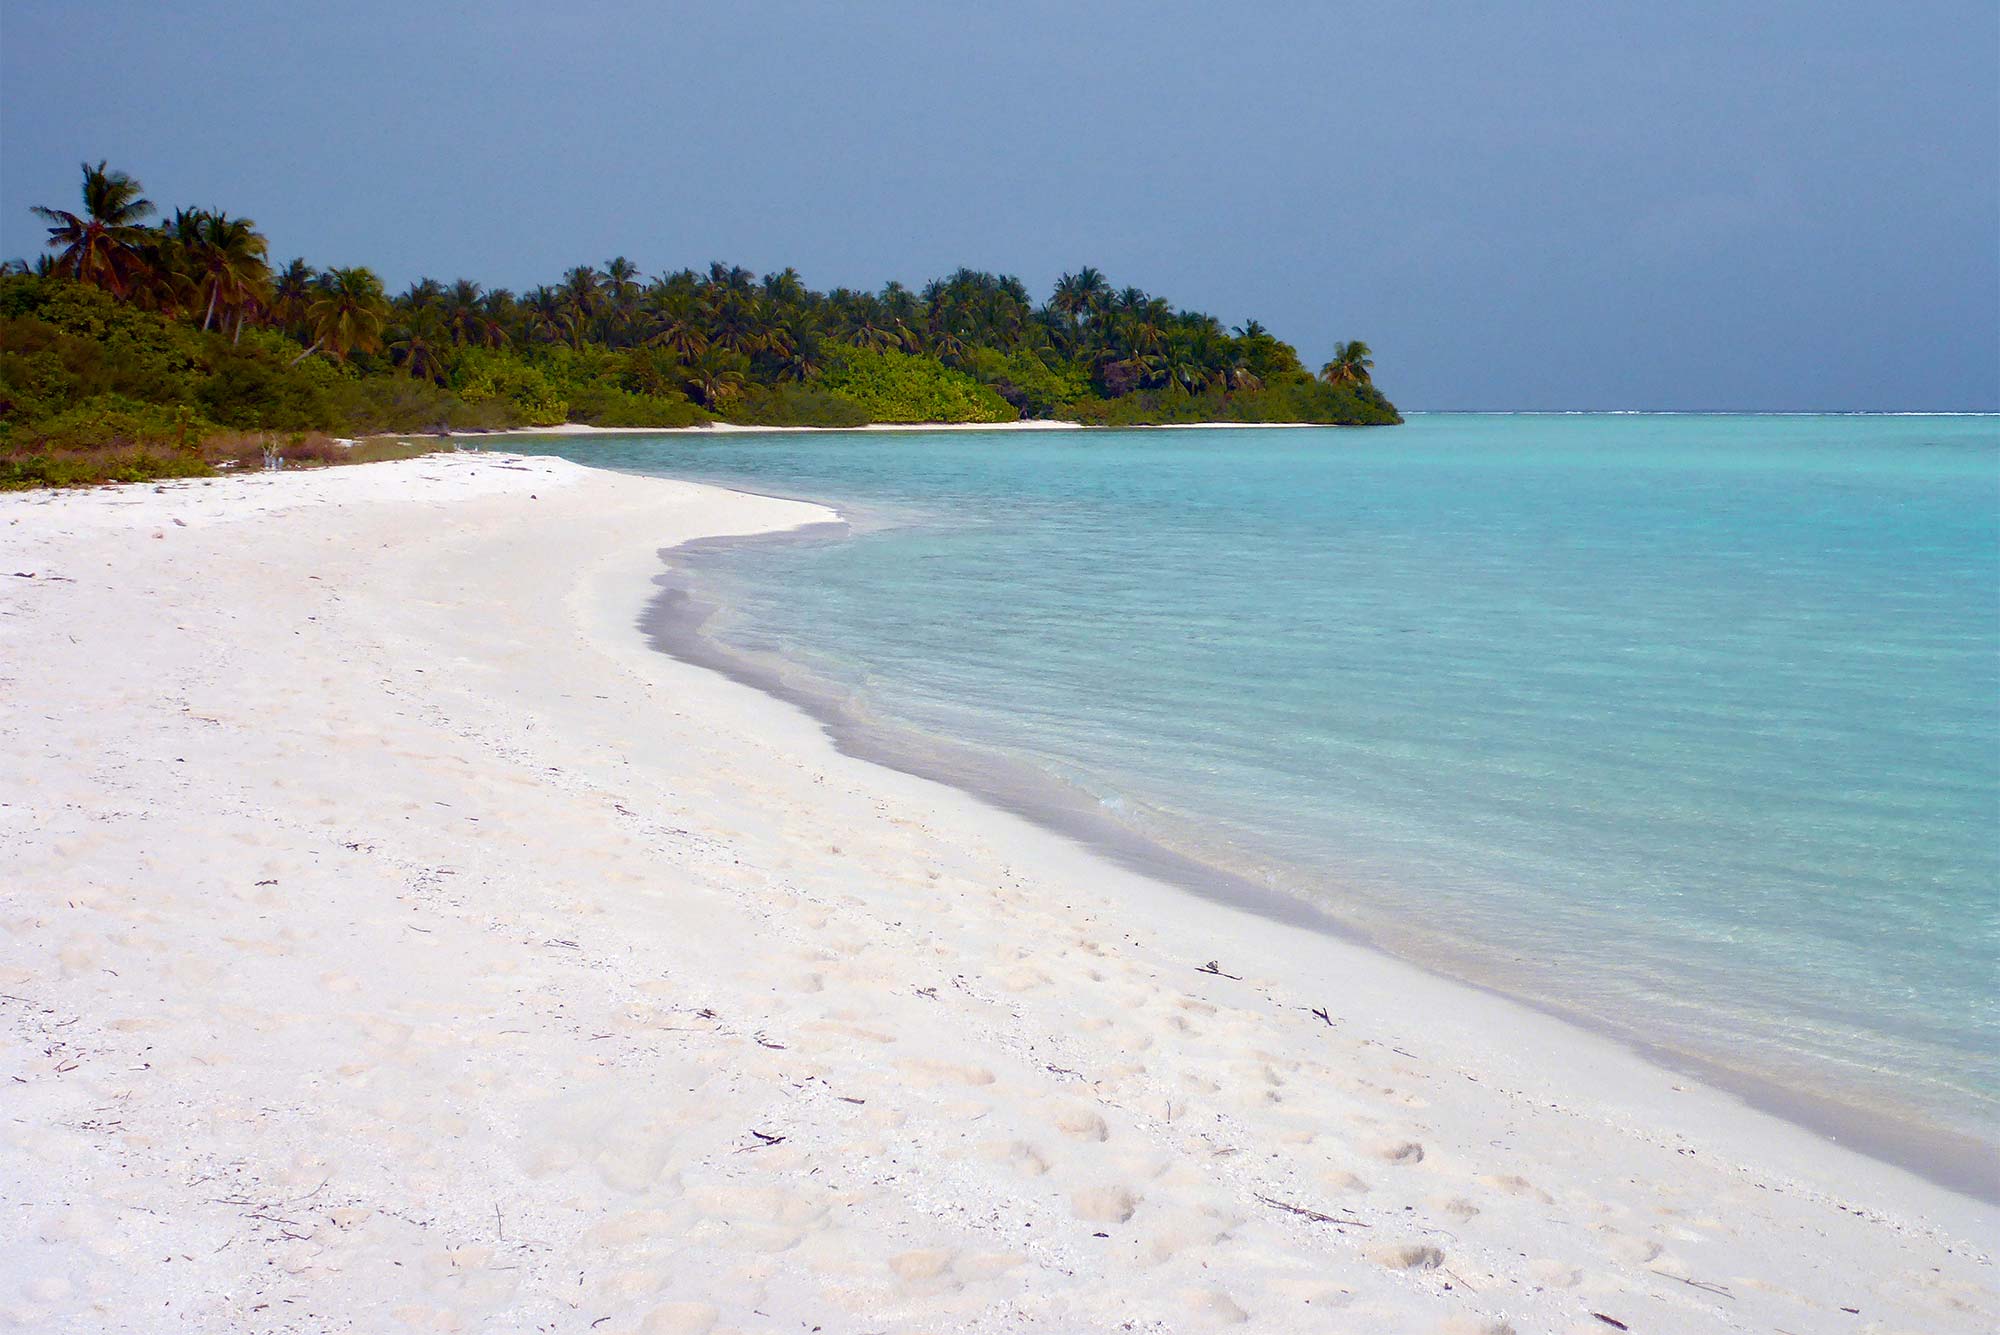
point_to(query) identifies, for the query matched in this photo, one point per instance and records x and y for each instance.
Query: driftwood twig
(1314, 1215)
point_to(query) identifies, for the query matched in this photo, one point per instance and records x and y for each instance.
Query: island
(142, 346)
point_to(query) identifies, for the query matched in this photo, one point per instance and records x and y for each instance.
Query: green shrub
(401, 403)
(484, 374)
(104, 439)
(607, 405)
(247, 387)
(795, 405)
(1031, 385)
(898, 387)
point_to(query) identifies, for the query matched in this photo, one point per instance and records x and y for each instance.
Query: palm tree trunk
(308, 352)
(214, 291)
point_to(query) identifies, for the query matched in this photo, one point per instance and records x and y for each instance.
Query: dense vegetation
(142, 348)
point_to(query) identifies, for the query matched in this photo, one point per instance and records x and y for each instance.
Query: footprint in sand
(1406, 1256)
(1083, 1123)
(1215, 1307)
(1554, 1274)
(1104, 1205)
(679, 1319)
(919, 1267)
(1015, 1154)
(923, 1073)
(1517, 1186)
(1398, 1151)
(1632, 1251)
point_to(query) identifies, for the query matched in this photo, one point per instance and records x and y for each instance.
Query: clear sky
(1597, 204)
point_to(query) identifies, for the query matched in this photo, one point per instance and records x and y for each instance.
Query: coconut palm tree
(674, 315)
(1079, 294)
(1350, 365)
(714, 376)
(733, 324)
(582, 296)
(621, 279)
(418, 344)
(786, 289)
(291, 293)
(105, 244)
(544, 312)
(732, 277)
(803, 358)
(227, 260)
(346, 314)
(466, 317)
(621, 297)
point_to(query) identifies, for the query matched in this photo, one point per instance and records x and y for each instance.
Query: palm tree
(731, 277)
(227, 257)
(621, 276)
(104, 245)
(714, 376)
(733, 324)
(291, 292)
(346, 314)
(423, 292)
(1350, 365)
(582, 297)
(544, 313)
(466, 317)
(417, 345)
(785, 289)
(803, 358)
(168, 278)
(1237, 375)
(1078, 294)
(676, 321)
(621, 294)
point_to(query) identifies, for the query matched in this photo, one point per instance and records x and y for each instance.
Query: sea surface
(1688, 726)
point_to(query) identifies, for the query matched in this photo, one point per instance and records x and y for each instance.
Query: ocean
(1686, 726)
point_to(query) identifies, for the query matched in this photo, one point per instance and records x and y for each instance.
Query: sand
(391, 941)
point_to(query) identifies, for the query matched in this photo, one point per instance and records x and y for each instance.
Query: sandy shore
(732, 428)
(391, 941)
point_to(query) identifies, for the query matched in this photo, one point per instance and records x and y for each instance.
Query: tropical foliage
(153, 333)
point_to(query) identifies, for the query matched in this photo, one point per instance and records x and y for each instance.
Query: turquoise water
(1690, 725)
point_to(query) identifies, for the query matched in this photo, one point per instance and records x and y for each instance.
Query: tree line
(608, 344)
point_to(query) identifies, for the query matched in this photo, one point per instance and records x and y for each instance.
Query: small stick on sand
(1215, 968)
(1313, 1215)
(1701, 1284)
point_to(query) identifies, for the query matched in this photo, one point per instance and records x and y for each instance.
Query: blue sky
(1770, 206)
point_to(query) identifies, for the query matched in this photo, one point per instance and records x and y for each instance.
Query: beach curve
(390, 929)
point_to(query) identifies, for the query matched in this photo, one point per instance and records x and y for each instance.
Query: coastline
(624, 958)
(736, 429)
(674, 623)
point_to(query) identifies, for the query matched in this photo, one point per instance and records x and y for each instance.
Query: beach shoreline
(584, 429)
(675, 623)
(624, 958)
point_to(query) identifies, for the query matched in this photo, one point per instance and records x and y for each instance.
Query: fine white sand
(390, 941)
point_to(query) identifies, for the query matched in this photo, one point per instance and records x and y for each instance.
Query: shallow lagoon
(1686, 724)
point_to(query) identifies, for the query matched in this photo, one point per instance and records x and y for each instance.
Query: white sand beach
(390, 940)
